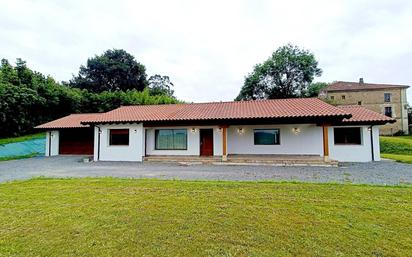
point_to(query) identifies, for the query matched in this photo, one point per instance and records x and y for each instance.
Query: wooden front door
(206, 142)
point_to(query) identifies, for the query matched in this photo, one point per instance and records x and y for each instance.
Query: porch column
(325, 142)
(224, 143)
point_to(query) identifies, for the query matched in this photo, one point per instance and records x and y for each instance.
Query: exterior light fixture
(296, 130)
(219, 130)
(193, 130)
(240, 130)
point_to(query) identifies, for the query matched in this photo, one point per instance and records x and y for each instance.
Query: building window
(387, 97)
(171, 139)
(347, 136)
(388, 111)
(266, 136)
(332, 97)
(359, 102)
(119, 137)
(343, 97)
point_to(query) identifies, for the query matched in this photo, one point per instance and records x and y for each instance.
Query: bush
(396, 145)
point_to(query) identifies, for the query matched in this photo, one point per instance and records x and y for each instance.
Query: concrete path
(382, 173)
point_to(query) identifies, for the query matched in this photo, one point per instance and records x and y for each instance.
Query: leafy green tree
(161, 85)
(287, 73)
(114, 70)
(315, 88)
(28, 98)
(7, 73)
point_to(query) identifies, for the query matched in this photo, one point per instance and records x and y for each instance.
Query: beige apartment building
(383, 98)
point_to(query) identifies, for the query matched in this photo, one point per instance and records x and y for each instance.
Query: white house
(283, 127)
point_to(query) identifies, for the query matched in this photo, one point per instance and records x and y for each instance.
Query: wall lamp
(193, 130)
(240, 130)
(296, 131)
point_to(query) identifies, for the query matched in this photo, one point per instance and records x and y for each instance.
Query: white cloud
(208, 47)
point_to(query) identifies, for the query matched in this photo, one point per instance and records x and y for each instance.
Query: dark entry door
(206, 142)
(76, 141)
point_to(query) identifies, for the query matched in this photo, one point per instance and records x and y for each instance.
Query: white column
(52, 143)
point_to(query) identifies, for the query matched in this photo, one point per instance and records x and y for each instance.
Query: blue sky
(208, 47)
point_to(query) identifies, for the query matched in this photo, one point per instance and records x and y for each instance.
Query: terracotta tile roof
(280, 108)
(355, 86)
(362, 115)
(70, 121)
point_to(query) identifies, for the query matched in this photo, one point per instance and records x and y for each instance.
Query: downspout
(98, 142)
(372, 149)
(50, 135)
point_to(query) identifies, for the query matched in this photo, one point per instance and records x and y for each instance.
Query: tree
(315, 88)
(160, 85)
(114, 70)
(28, 98)
(287, 73)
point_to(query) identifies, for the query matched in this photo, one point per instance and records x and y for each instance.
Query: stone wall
(374, 100)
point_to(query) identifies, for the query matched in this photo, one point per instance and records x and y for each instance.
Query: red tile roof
(355, 86)
(279, 108)
(362, 115)
(70, 121)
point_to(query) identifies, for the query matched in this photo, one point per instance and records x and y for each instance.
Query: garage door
(76, 141)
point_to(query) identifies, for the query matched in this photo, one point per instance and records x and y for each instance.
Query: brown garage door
(76, 141)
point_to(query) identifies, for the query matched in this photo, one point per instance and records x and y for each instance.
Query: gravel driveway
(384, 172)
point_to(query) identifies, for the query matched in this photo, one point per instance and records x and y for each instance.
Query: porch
(246, 159)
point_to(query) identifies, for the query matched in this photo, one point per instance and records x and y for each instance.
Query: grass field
(124, 217)
(397, 148)
(22, 138)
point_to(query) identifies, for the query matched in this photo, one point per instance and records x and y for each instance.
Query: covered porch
(274, 144)
(243, 159)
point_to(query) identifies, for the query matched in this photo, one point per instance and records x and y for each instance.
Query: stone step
(193, 160)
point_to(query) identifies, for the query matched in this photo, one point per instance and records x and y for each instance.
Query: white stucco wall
(355, 153)
(54, 143)
(132, 152)
(376, 145)
(308, 141)
(193, 141)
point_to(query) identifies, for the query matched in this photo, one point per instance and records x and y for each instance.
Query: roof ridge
(368, 83)
(225, 102)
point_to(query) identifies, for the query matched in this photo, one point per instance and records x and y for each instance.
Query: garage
(68, 135)
(76, 141)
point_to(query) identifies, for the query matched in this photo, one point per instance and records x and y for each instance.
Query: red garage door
(76, 141)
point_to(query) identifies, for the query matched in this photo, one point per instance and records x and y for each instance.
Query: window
(119, 137)
(343, 97)
(171, 139)
(266, 136)
(332, 97)
(359, 102)
(388, 111)
(387, 97)
(347, 136)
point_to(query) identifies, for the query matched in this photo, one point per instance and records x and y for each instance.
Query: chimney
(360, 80)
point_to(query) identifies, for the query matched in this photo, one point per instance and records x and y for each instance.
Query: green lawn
(397, 148)
(125, 217)
(398, 157)
(22, 138)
